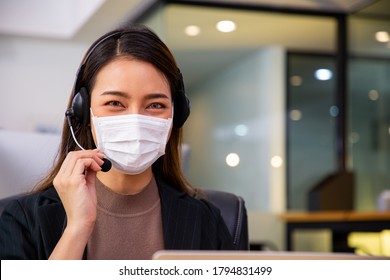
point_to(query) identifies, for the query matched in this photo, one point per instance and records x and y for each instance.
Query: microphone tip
(106, 166)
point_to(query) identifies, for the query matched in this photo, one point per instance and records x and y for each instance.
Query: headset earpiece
(80, 107)
(182, 105)
(181, 109)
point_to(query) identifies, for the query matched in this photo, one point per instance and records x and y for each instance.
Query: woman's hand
(75, 185)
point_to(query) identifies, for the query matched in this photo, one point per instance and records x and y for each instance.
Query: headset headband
(81, 100)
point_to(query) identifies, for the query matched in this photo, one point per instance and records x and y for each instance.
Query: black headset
(80, 108)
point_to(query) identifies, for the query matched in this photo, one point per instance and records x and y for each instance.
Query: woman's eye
(114, 103)
(156, 106)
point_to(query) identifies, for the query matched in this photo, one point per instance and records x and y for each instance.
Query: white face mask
(131, 142)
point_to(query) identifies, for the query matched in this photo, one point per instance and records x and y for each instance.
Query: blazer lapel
(51, 215)
(181, 219)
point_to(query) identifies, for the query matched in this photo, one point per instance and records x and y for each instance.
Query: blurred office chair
(233, 212)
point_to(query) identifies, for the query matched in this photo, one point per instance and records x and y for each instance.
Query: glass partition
(311, 121)
(236, 82)
(369, 107)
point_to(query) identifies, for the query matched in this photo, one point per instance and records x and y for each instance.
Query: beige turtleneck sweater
(127, 226)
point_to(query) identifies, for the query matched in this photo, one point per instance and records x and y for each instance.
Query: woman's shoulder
(29, 202)
(29, 222)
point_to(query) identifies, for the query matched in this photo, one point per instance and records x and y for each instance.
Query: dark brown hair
(136, 42)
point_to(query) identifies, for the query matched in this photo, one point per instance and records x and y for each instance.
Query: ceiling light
(382, 36)
(373, 95)
(241, 130)
(276, 161)
(192, 30)
(295, 115)
(296, 81)
(334, 111)
(323, 74)
(226, 26)
(232, 159)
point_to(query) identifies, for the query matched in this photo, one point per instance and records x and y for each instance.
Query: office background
(263, 125)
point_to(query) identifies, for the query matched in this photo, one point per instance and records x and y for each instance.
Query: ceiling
(211, 50)
(337, 6)
(56, 19)
(65, 18)
(74, 20)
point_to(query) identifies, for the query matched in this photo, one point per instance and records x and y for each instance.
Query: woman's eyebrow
(115, 93)
(124, 95)
(156, 96)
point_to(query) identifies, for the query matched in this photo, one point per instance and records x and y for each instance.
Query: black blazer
(31, 226)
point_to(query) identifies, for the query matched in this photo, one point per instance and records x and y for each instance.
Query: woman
(129, 102)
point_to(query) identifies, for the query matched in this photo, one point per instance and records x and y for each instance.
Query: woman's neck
(124, 183)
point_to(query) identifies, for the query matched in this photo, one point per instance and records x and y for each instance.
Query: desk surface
(334, 216)
(341, 224)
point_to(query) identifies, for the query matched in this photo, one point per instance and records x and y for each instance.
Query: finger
(90, 178)
(95, 154)
(68, 164)
(72, 158)
(98, 157)
(83, 164)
